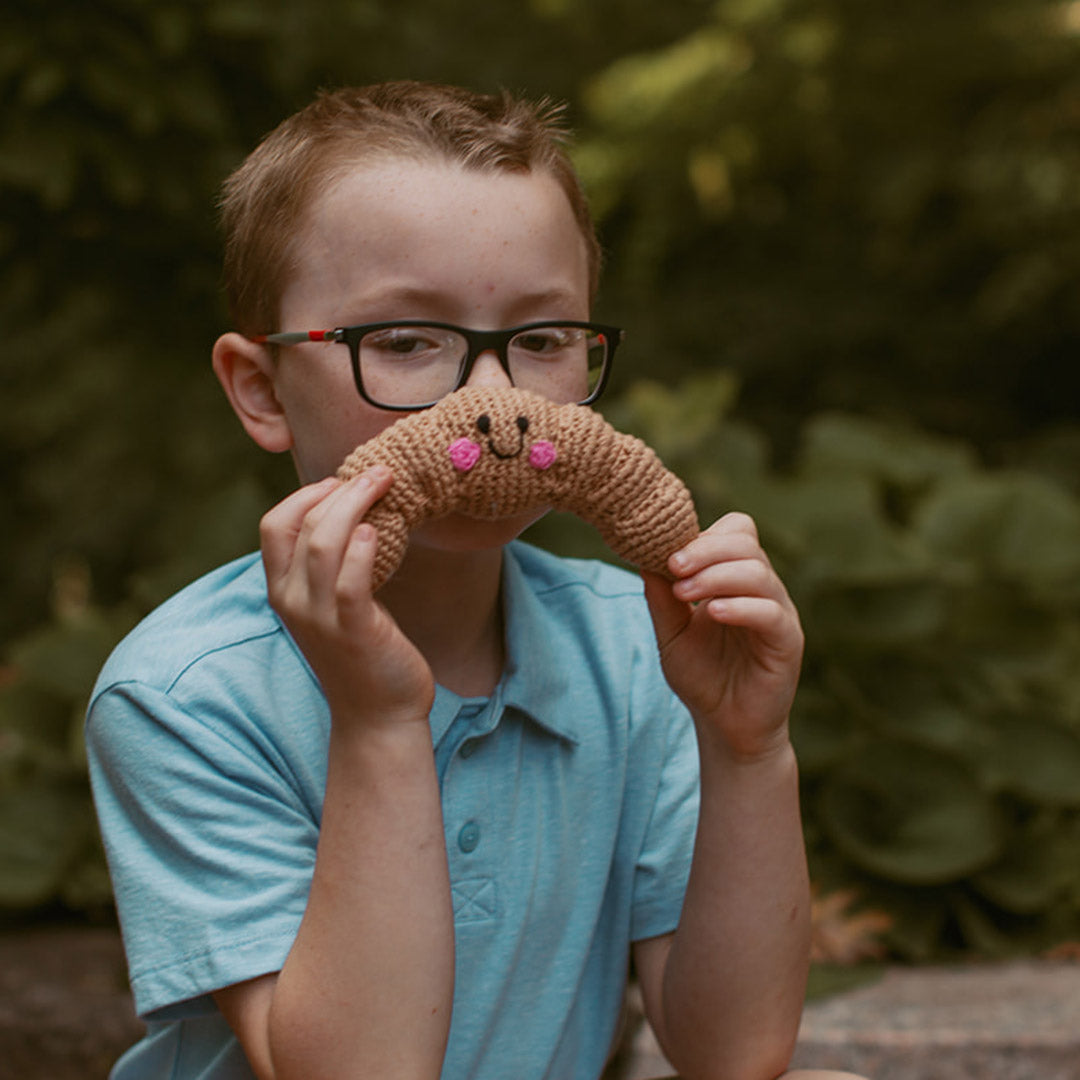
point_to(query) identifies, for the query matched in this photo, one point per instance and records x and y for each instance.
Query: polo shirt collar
(539, 657)
(536, 678)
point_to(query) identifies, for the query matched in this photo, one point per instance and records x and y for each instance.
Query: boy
(421, 833)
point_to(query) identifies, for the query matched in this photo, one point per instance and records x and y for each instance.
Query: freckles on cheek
(328, 428)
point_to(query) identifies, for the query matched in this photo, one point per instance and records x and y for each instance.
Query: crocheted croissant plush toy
(492, 454)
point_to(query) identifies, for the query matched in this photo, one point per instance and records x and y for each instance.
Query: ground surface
(1018, 1021)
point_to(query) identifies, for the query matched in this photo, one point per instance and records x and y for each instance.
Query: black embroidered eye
(523, 424)
(484, 423)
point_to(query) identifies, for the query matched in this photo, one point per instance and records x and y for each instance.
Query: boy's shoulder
(228, 607)
(550, 574)
(223, 608)
(582, 598)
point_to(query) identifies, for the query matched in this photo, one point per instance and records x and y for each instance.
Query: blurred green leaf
(636, 92)
(829, 979)
(34, 730)
(42, 827)
(897, 612)
(225, 527)
(821, 731)
(86, 885)
(911, 815)
(1031, 756)
(65, 659)
(1019, 525)
(1037, 868)
(908, 699)
(838, 444)
(845, 537)
(675, 421)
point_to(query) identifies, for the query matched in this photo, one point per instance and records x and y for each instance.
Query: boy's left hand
(729, 637)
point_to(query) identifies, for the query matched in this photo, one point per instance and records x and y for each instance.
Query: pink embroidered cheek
(542, 455)
(464, 454)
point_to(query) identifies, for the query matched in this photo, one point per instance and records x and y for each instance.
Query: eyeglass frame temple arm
(298, 337)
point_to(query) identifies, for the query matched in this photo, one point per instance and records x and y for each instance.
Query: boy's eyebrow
(550, 296)
(419, 296)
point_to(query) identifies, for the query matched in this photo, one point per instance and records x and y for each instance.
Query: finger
(737, 520)
(329, 528)
(755, 613)
(354, 580)
(280, 526)
(362, 490)
(670, 616)
(775, 625)
(737, 577)
(733, 536)
(734, 523)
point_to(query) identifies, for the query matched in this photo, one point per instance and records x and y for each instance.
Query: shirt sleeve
(210, 845)
(663, 865)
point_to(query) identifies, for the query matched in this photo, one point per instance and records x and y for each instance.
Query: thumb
(669, 614)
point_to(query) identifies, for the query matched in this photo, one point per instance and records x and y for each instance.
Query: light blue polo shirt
(569, 801)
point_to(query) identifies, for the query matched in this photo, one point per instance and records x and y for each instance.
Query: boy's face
(400, 239)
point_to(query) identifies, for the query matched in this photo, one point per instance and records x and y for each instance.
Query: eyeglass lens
(415, 365)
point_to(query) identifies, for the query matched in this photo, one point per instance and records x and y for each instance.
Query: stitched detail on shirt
(211, 952)
(225, 646)
(608, 592)
(474, 900)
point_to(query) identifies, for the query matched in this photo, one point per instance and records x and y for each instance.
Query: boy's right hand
(318, 559)
(368, 984)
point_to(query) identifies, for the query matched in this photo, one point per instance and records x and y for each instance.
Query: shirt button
(469, 837)
(469, 747)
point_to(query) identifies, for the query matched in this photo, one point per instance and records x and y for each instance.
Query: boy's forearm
(735, 978)
(367, 988)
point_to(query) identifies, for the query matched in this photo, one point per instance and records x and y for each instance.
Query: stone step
(1016, 1021)
(65, 1009)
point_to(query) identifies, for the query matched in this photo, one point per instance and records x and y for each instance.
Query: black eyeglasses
(412, 364)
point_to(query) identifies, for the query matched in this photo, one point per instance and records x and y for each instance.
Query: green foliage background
(843, 236)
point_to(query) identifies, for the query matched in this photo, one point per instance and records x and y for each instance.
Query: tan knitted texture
(492, 454)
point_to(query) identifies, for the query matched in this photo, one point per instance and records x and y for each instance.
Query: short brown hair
(264, 201)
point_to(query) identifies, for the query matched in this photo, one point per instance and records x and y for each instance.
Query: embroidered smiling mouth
(465, 454)
(483, 423)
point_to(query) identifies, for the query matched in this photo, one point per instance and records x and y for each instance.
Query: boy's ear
(246, 372)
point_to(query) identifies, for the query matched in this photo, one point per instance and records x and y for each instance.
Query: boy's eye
(547, 340)
(408, 342)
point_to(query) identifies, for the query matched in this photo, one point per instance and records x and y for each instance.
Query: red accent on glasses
(294, 338)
